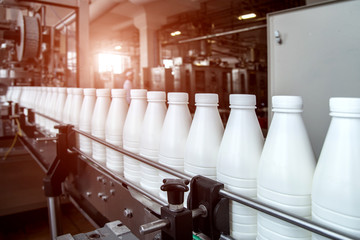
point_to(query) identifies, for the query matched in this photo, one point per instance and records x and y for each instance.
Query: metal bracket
(64, 163)
(205, 191)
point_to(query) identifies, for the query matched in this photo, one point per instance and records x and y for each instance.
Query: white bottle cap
(242, 100)
(178, 97)
(77, 91)
(156, 96)
(206, 98)
(118, 92)
(61, 90)
(103, 92)
(344, 105)
(287, 103)
(138, 93)
(89, 91)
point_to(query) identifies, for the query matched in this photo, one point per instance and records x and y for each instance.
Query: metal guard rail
(259, 206)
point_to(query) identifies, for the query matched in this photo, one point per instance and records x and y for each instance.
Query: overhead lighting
(247, 16)
(118, 47)
(176, 33)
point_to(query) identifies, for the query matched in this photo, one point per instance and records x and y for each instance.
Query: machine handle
(175, 189)
(153, 226)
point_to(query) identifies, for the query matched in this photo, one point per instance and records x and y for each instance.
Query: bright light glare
(168, 63)
(176, 33)
(247, 16)
(118, 47)
(112, 63)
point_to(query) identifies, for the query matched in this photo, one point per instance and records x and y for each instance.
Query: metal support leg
(54, 217)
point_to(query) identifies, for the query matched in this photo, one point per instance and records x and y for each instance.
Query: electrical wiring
(18, 133)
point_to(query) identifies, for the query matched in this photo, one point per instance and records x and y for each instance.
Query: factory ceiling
(114, 19)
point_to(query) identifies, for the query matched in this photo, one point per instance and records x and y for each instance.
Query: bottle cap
(138, 93)
(89, 91)
(103, 92)
(156, 96)
(242, 100)
(77, 91)
(287, 103)
(178, 97)
(345, 105)
(206, 98)
(61, 90)
(117, 92)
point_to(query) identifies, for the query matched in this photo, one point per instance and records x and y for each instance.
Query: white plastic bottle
(39, 119)
(77, 100)
(85, 117)
(286, 170)
(114, 129)
(238, 159)
(204, 138)
(336, 184)
(150, 140)
(47, 107)
(132, 133)
(98, 121)
(9, 93)
(174, 134)
(67, 107)
(52, 110)
(60, 103)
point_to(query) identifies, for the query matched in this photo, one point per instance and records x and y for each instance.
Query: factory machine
(107, 198)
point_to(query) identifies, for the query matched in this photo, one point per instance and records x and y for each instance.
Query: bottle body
(67, 107)
(98, 121)
(204, 137)
(335, 195)
(114, 129)
(150, 140)
(85, 118)
(174, 134)
(132, 133)
(238, 159)
(286, 169)
(60, 103)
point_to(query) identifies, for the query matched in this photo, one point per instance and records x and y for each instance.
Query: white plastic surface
(204, 137)
(98, 121)
(174, 134)
(67, 107)
(60, 103)
(150, 138)
(335, 194)
(132, 133)
(85, 118)
(76, 106)
(238, 159)
(285, 174)
(114, 129)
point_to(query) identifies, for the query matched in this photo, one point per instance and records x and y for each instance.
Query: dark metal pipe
(135, 156)
(277, 213)
(223, 33)
(50, 118)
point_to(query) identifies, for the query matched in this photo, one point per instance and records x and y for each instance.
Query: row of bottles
(281, 171)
